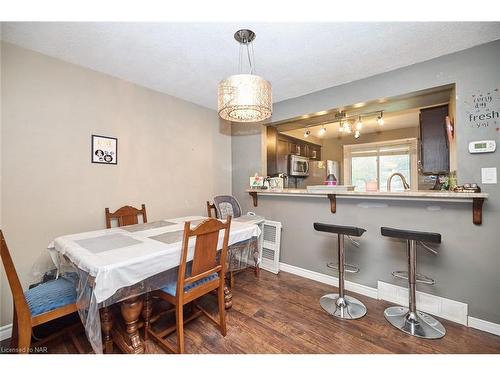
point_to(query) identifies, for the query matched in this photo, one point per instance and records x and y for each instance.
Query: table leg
(107, 326)
(129, 340)
(146, 313)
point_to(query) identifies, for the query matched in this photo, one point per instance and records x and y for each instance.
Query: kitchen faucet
(403, 179)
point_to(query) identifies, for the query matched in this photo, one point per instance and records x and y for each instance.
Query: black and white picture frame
(104, 150)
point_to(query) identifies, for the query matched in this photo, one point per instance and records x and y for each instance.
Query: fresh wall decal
(484, 109)
(104, 150)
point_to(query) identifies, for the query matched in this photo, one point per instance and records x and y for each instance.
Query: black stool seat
(411, 235)
(339, 229)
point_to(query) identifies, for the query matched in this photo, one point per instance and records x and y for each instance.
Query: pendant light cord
(250, 56)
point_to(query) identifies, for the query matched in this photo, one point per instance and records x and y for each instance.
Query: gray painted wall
(467, 268)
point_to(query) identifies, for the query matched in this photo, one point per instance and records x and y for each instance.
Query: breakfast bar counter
(477, 199)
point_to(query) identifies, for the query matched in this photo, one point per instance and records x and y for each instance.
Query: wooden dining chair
(41, 304)
(211, 207)
(195, 279)
(126, 215)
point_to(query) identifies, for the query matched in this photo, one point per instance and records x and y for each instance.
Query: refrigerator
(320, 170)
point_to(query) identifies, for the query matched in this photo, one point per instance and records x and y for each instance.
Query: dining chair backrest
(205, 258)
(20, 304)
(210, 208)
(227, 205)
(126, 215)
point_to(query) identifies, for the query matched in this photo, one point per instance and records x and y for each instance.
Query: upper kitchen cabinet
(435, 153)
(313, 151)
(279, 146)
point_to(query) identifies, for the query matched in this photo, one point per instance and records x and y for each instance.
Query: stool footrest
(349, 268)
(419, 279)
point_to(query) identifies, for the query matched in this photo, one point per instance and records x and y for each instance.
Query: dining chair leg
(14, 337)
(24, 339)
(222, 309)
(179, 317)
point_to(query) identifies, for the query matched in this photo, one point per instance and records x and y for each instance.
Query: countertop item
(329, 188)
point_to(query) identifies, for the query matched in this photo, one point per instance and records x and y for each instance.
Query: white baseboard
(5, 332)
(330, 280)
(435, 305)
(484, 325)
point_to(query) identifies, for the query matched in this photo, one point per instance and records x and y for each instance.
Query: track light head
(380, 119)
(359, 124)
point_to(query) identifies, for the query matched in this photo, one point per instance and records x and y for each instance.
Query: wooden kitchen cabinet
(313, 152)
(279, 146)
(434, 148)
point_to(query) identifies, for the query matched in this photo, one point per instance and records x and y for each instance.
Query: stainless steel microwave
(298, 166)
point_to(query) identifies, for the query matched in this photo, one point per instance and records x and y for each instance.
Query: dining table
(115, 269)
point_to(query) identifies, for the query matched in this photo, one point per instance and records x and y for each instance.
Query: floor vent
(271, 238)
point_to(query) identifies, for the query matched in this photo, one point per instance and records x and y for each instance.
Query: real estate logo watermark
(35, 350)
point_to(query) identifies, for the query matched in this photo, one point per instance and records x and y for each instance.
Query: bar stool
(339, 305)
(409, 320)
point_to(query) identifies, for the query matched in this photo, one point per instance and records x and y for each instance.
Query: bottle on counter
(452, 181)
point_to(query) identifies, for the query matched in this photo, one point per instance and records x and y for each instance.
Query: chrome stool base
(346, 308)
(420, 325)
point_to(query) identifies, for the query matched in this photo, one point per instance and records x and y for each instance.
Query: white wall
(172, 155)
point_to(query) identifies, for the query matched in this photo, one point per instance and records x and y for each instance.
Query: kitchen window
(368, 166)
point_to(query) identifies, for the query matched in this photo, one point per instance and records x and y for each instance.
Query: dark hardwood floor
(281, 314)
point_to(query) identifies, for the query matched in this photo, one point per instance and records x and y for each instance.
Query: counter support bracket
(333, 202)
(477, 210)
(254, 197)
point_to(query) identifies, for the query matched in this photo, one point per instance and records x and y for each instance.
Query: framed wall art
(104, 150)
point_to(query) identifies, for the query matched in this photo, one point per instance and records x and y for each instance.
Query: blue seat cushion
(171, 288)
(51, 295)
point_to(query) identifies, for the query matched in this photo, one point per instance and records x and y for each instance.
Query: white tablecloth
(121, 257)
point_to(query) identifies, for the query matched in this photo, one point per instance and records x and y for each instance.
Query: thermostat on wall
(477, 147)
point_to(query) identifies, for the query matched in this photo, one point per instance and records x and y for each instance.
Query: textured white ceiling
(187, 60)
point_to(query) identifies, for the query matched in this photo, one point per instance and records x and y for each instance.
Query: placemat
(147, 226)
(107, 242)
(169, 237)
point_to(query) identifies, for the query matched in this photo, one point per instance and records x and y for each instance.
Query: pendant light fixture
(245, 97)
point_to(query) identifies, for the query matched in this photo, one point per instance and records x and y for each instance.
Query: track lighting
(357, 125)
(380, 119)
(306, 134)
